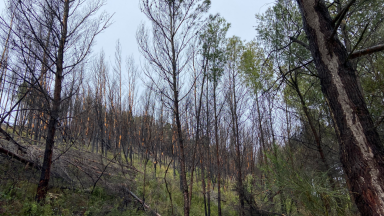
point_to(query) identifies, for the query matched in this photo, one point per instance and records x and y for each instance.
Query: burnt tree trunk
(217, 148)
(180, 140)
(361, 152)
(54, 114)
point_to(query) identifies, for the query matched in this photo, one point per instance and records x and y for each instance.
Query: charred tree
(361, 152)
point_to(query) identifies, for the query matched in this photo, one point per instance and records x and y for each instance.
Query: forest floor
(84, 183)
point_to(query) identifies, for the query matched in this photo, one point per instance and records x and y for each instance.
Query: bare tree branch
(367, 51)
(299, 42)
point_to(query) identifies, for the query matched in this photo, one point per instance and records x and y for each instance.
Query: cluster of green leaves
(372, 81)
(257, 71)
(301, 190)
(213, 40)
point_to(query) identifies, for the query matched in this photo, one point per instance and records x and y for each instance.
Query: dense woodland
(290, 123)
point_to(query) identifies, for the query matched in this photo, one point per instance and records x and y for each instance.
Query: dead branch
(102, 173)
(300, 42)
(367, 51)
(339, 18)
(140, 201)
(355, 54)
(166, 185)
(116, 163)
(9, 138)
(19, 158)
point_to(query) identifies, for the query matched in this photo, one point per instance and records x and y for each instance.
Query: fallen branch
(140, 201)
(126, 166)
(19, 158)
(256, 211)
(105, 168)
(9, 138)
(82, 168)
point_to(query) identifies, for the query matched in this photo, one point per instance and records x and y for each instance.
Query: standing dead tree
(174, 26)
(61, 34)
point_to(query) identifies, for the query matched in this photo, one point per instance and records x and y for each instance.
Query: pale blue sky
(240, 13)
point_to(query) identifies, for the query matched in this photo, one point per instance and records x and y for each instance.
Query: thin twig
(358, 42)
(166, 184)
(102, 173)
(339, 18)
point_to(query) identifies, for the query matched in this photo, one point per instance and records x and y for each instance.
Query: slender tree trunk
(235, 131)
(197, 137)
(204, 189)
(217, 150)
(209, 182)
(54, 115)
(208, 161)
(180, 140)
(317, 139)
(261, 129)
(361, 151)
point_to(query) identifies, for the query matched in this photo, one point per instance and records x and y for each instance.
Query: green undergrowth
(18, 187)
(281, 188)
(18, 199)
(158, 197)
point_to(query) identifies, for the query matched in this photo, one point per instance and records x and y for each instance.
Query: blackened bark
(204, 190)
(361, 152)
(54, 115)
(316, 136)
(217, 149)
(183, 173)
(367, 51)
(180, 140)
(9, 138)
(236, 138)
(19, 158)
(197, 138)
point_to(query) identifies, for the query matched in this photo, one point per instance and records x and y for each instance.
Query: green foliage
(235, 48)
(18, 199)
(281, 22)
(304, 190)
(362, 14)
(23, 88)
(256, 70)
(213, 39)
(275, 27)
(372, 81)
(157, 196)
